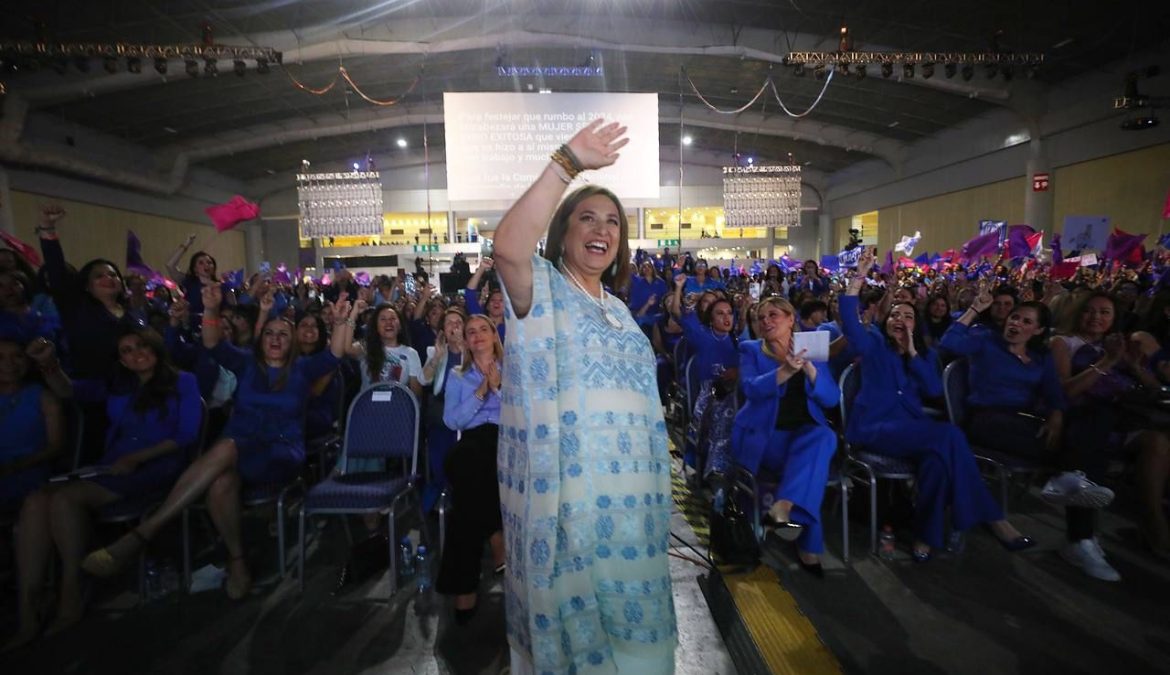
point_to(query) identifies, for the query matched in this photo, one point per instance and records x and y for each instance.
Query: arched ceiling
(249, 127)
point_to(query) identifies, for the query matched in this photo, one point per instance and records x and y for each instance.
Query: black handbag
(733, 538)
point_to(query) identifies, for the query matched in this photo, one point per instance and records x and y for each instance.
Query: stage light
(927, 71)
(1007, 72)
(191, 67)
(401, 142)
(798, 70)
(819, 71)
(968, 72)
(687, 140)
(262, 66)
(160, 66)
(844, 68)
(887, 69)
(111, 64)
(210, 67)
(950, 69)
(860, 72)
(134, 64)
(239, 67)
(992, 71)
(60, 65)
(908, 70)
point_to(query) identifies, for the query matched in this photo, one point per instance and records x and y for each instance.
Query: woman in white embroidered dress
(583, 461)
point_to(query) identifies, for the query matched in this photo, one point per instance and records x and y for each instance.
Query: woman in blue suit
(887, 418)
(782, 428)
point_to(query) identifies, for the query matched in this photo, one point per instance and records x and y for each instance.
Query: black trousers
(475, 514)
(1084, 437)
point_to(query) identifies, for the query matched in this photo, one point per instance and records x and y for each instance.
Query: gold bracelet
(567, 164)
(560, 172)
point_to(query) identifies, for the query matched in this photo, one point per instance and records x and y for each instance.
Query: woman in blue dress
(262, 443)
(897, 371)
(711, 338)
(782, 428)
(583, 462)
(201, 271)
(155, 412)
(30, 426)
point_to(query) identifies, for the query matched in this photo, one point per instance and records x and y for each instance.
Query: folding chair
(382, 423)
(1005, 466)
(752, 485)
(868, 467)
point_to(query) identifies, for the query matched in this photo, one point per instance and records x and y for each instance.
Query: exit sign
(1039, 182)
(662, 243)
(426, 248)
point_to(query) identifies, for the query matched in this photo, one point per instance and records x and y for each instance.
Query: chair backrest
(382, 423)
(692, 383)
(74, 433)
(680, 360)
(849, 384)
(956, 378)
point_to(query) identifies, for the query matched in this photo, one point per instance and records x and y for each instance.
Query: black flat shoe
(1020, 543)
(786, 530)
(464, 616)
(815, 569)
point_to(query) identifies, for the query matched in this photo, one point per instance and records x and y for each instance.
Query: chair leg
(442, 521)
(280, 554)
(186, 550)
(845, 520)
(873, 524)
(393, 553)
(301, 548)
(1005, 476)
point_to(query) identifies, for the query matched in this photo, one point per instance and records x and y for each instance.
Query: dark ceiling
(1076, 37)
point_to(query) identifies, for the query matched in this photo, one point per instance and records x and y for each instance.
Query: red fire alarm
(1040, 182)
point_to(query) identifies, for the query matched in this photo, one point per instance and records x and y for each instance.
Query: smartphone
(754, 290)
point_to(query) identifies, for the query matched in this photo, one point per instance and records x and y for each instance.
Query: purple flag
(1121, 244)
(888, 268)
(1018, 244)
(134, 261)
(1057, 252)
(983, 245)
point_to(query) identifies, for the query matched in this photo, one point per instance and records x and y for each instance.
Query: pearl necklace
(600, 303)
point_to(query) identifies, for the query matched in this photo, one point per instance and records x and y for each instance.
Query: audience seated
(155, 414)
(442, 359)
(782, 428)
(259, 445)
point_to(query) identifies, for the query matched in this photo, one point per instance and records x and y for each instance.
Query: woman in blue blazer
(782, 427)
(887, 417)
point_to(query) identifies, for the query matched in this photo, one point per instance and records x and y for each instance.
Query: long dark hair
(262, 364)
(709, 314)
(919, 340)
(554, 246)
(322, 331)
(191, 274)
(375, 354)
(83, 278)
(162, 385)
(1038, 343)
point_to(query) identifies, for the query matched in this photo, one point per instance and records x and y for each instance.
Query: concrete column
(641, 223)
(825, 243)
(254, 246)
(1038, 205)
(450, 226)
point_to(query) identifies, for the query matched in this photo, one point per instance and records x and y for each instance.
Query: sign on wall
(1040, 182)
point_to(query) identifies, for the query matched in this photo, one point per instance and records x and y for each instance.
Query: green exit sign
(667, 242)
(426, 248)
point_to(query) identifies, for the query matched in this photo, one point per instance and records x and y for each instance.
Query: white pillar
(1038, 205)
(254, 245)
(825, 242)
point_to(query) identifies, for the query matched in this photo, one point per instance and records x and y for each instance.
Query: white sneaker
(1071, 488)
(1088, 555)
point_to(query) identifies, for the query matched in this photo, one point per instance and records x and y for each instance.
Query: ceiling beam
(461, 35)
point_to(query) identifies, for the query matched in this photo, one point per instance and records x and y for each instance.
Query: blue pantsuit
(799, 456)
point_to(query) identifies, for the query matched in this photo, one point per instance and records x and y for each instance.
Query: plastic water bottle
(422, 561)
(405, 559)
(720, 500)
(886, 543)
(152, 586)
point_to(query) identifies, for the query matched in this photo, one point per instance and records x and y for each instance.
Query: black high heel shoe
(464, 616)
(785, 529)
(815, 569)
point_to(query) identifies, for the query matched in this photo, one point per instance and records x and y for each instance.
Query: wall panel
(1129, 187)
(89, 231)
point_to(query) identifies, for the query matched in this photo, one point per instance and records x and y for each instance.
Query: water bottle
(151, 587)
(422, 562)
(886, 543)
(720, 500)
(405, 559)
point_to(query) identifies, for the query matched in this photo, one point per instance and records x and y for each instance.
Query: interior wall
(1130, 188)
(90, 231)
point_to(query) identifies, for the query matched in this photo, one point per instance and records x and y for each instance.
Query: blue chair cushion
(886, 465)
(260, 493)
(360, 492)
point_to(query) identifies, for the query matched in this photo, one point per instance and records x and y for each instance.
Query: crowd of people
(539, 378)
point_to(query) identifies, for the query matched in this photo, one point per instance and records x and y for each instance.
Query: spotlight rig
(994, 63)
(114, 55)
